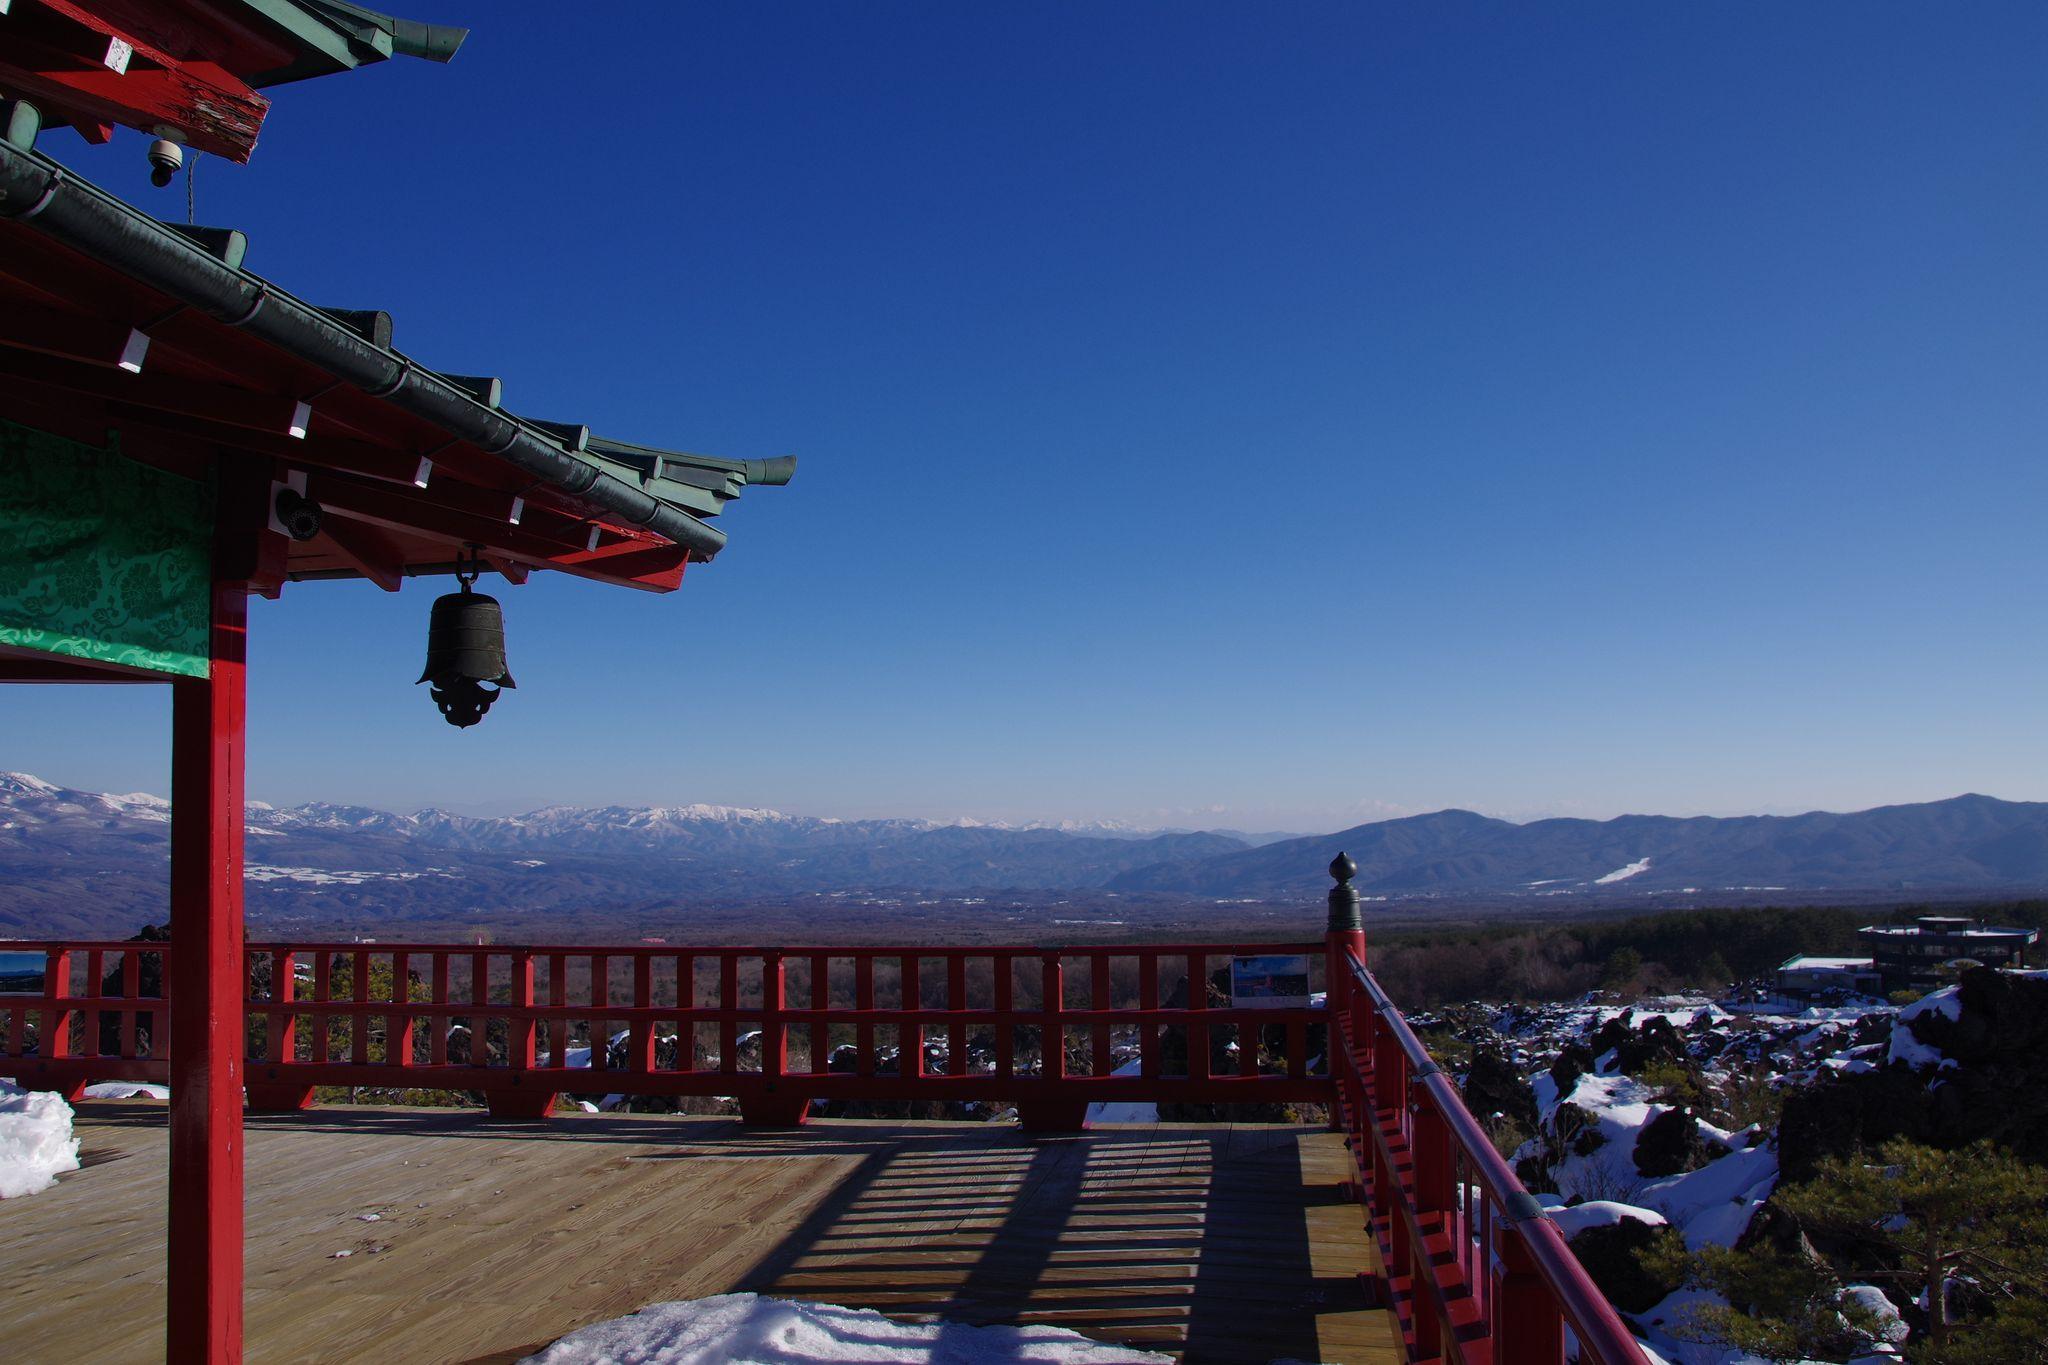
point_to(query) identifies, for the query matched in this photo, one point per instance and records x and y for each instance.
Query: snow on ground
(1712, 1206)
(1783, 1043)
(1618, 1107)
(35, 1140)
(1622, 874)
(580, 1056)
(1124, 1111)
(127, 1090)
(1600, 1213)
(746, 1329)
(323, 876)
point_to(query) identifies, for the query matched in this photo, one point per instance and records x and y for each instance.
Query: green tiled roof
(330, 35)
(668, 492)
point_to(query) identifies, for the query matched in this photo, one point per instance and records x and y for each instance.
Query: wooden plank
(1223, 1241)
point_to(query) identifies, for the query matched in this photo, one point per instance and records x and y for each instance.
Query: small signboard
(1273, 981)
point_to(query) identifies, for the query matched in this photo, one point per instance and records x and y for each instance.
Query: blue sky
(1253, 416)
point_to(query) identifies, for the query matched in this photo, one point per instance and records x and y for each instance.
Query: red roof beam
(28, 327)
(367, 548)
(656, 566)
(258, 423)
(183, 30)
(208, 106)
(165, 34)
(433, 517)
(276, 414)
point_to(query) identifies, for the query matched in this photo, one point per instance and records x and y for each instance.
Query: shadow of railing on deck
(1174, 1239)
(1167, 1240)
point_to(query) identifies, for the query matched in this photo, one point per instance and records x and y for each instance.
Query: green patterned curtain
(100, 557)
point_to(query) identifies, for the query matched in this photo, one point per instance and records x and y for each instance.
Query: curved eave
(47, 198)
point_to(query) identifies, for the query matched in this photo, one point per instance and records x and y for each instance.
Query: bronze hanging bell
(466, 652)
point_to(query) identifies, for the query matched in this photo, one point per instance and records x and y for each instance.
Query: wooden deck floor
(1226, 1243)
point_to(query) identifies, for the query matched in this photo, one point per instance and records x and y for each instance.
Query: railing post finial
(1344, 916)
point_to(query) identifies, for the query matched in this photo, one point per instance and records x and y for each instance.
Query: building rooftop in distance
(1951, 926)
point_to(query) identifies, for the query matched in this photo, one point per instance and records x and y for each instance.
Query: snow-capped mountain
(70, 857)
(27, 800)
(1963, 844)
(74, 861)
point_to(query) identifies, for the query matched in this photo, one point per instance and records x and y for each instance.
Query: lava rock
(1615, 1255)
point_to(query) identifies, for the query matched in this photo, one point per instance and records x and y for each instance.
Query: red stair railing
(1475, 1272)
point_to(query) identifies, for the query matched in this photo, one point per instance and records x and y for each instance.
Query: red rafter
(261, 412)
(213, 109)
(429, 515)
(656, 565)
(367, 548)
(50, 331)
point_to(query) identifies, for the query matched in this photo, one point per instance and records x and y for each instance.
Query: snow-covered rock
(1592, 1131)
(36, 1144)
(1891, 1326)
(1600, 1213)
(746, 1329)
(1906, 1048)
(1712, 1206)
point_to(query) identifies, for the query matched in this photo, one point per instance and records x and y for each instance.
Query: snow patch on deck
(35, 1140)
(745, 1328)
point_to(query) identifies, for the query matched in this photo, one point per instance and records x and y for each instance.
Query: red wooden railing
(955, 1024)
(1475, 1272)
(69, 1040)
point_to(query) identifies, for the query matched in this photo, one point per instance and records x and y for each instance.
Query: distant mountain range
(74, 862)
(1961, 844)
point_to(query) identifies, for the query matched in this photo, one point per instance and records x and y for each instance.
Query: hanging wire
(190, 168)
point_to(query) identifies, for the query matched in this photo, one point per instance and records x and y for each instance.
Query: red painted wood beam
(267, 413)
(72, 336)
(656, 565)
(143, 41)
(430, 515)
(514, 572)
(59, 277)
(249, 421)
(208, 738)
(367, 548)
(210, 106)
(317, 450)
(181, 30)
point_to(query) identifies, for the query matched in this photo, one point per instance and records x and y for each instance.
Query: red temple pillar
(204, 1322)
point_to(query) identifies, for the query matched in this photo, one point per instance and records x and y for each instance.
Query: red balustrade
(1474, 1271)
(90, 1021)
(772, 1028)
